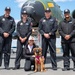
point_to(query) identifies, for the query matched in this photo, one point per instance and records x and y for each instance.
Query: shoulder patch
(44, 20)
(21, 23)
(3, 19)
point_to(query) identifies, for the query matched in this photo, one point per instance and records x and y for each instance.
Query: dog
(39, 60)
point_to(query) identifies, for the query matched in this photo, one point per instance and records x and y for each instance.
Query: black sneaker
(15, 68)
(7, 67)
(65, 69)
(74, 69)
(0, 65)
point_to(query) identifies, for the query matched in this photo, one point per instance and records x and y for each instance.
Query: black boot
(54, 67)
(15, 68)
(0, 65)
(66, 69)
(74, 67)
(7, 67)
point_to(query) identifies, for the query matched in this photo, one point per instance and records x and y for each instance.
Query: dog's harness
(38, 59)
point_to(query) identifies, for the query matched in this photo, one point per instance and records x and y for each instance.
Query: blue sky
(16, 6)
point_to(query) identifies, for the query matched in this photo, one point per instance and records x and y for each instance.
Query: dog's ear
(40, 49)
(34, 49)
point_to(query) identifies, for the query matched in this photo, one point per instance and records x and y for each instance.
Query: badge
(27, 23)
(51, 19)
(11, 20)
(3, 19)
(21, 23)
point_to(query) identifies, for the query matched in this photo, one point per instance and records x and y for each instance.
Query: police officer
(7, 27)
(67, 32)
(47, 28)
(24, 30)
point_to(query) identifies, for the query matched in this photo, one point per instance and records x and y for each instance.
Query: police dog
(39, 60)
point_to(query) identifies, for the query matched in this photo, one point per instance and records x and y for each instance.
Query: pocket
(1, 40)
(1, 43)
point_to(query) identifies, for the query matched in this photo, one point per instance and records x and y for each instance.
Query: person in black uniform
(67, 32)
(24, 30)
(29, 54)
(47, 28)
(7, 27)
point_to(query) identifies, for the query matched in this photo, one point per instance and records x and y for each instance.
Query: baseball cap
(48, 10)
(24, 12)
(31, 38)
(66, 11)
(7, 8)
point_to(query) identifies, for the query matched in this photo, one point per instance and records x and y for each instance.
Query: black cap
(66, 11)
(24, 12)
(7, 8)
(48, 10)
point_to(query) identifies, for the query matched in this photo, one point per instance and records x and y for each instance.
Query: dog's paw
(44, 70)
(35, 71)
(41, 70)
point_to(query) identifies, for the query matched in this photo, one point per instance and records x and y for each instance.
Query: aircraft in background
(73, 14)
(35, 9)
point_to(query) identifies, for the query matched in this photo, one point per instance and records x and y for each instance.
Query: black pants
(52, 47)
(19, 52)
(5, 47)
(29, 63)
(67, 47)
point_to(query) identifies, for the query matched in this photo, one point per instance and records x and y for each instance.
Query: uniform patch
(51, 19)
(3, 19)
(21, 23)
(11, 20)
(44, 20)
(27, 23)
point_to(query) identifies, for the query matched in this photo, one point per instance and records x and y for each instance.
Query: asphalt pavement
(48, 67)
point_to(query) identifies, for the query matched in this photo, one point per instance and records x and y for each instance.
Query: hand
(46, 36)
(6, 35)
(33, 55)
(23, 39)
(42, 56)
(67, 37)
(20, 38)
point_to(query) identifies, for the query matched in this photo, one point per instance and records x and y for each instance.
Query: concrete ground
(48, 67)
